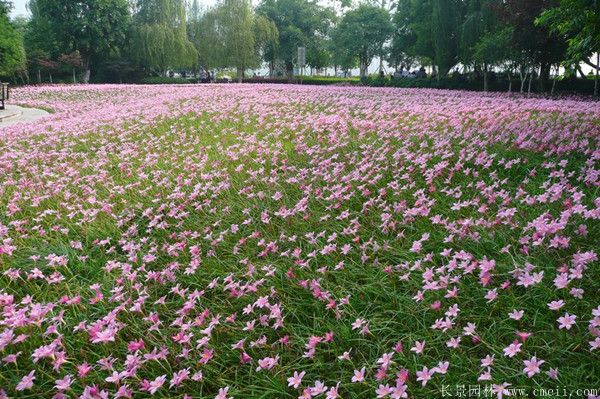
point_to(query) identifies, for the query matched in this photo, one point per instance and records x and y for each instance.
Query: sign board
(302, 56)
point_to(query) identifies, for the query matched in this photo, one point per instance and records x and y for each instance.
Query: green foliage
(444, 25)
(159, 36)
(579, 20)
(12, 52)
(362, 32)
(318, 55)
(160, 80)
(299, 23)
(493, 47)
(328, 80)
(498, 83)
(477, 22)
(95, 28)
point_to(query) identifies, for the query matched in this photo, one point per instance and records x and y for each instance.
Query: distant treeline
(530, 41)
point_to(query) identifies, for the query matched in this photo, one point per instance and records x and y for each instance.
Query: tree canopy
(362, 32)
(12, 52)
(133, 39)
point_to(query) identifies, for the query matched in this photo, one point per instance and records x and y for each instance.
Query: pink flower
(223, 393)
(419, 347)
(512, 349)
(296, 379)
(318, 388)
(487, 361)
(556, 305)
(532, 366)
(359, 375)
(267, 363)
(64, 383)
(441, 368)
(424, 375)
(516, 314)
(333, 392)
(156, 384)
(552, 373)
(566, 321)
(83, 369)
(26, 382)
(500, 389)
(383, 390)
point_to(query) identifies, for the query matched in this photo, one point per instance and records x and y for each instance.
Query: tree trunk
(363, 68)
(74, 77)
(596, 76)
(530, 81)
(87, 72)
(544, 76)
(485, 77)
(509, 83)
(523, 80)
(39, 76)
(554, 80)
(240, 74)
(50, 78)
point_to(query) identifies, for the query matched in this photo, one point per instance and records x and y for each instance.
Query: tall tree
(493, 49)
(204, 33)
(299, 23)
(579, 22)
(444, 22)
(412, 38)
(94, 28)
(160, 37)
(231, 34)
(237, 33)
(41, 45)
(12, 52)
(479, 21)
(535, 44)
(318, 55)
(362, 32)
(402, 47)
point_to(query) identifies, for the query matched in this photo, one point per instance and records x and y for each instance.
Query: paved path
(14, 114)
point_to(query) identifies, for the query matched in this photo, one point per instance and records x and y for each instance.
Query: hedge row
(501, 84)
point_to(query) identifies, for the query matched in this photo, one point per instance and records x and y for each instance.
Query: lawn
(266, 241)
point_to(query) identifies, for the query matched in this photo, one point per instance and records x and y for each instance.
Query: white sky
(19, 8)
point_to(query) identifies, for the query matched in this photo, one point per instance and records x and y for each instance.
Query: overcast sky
(19, 8)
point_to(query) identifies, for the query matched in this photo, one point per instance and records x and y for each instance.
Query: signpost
(301, 61)
(3, 94)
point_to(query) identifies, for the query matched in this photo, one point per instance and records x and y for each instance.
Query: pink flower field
(264, 241)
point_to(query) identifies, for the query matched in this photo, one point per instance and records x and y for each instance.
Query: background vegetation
(531, 44)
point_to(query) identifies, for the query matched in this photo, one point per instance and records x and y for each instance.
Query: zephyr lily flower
(26, 382)
(512, 349)
(223, 393)
(359, 375)
(217, 231)
(296, 379)
(532, 366)
(567, 321)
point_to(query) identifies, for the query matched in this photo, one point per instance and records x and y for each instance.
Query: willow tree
(159, 39)
(231, 34)
(237, 29)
